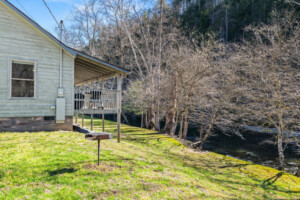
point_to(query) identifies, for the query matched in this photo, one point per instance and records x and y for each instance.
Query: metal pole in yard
(92, 124)
(98, 152)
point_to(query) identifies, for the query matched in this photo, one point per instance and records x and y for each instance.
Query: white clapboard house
(44, 83)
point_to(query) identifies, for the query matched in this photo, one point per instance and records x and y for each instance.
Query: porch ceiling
(89, 69)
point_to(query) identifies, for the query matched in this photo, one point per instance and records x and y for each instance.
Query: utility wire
(24, 9)
(51, 13)
(59, 25)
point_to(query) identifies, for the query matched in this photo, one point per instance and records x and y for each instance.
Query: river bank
(253, 147)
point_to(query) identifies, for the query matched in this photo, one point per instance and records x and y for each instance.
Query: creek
(252, 148)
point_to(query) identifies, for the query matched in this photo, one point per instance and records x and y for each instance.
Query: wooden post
(119, 106)
(76, 118)
(103, 129)
(92, 124)
(82, 120)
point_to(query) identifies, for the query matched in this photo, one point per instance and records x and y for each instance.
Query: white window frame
(10, 78)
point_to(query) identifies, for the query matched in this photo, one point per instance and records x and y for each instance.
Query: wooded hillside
(219, 64)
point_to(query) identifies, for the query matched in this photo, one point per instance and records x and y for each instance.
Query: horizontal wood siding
(19, 40)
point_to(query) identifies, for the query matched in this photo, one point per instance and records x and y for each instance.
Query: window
(22, 79)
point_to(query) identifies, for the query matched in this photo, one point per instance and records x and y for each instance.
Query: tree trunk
(151, 118)
(157, 119)
(213, 14)
(186, 123)
(121, 36)
(280, 133)
(170, 124)
(171, 113)
(298, 171)
(226, 24)
(157, 113)
(142, 119)
(280, 149)
(146, 119)
(207, 133)
(264, 12)
(181, 126)
(252, 8)
(176, 121)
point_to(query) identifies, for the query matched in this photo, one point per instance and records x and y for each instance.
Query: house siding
(19, 40)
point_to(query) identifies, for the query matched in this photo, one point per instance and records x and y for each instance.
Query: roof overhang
(88, 70)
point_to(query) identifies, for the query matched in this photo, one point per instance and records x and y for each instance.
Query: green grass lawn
(145, 165)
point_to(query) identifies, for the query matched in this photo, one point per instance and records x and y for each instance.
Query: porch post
(82, 120)
(103, 129)
(119, 106)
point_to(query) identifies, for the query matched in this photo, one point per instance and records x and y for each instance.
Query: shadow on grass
(145, 134)
(1, 175)
(272, 180)
(62, 171)
(210, 168)
(235, 184)
(152, 141)
(235, 165)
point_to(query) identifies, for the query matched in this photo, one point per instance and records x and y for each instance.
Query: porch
(98, 90)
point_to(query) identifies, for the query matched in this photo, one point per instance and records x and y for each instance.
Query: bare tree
(269, 79)
(87, 25)
(117, 12)
(149, 36)
(214, 105)
(135, 98)
(171, 103)
(193, 66)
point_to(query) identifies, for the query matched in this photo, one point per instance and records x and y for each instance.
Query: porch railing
(95, 101)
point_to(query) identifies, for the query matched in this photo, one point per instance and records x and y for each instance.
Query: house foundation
(30, 124)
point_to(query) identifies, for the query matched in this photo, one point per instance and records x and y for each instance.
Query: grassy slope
(146, 165)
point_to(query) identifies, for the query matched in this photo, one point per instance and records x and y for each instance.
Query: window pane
(22, 88)
(23, 71)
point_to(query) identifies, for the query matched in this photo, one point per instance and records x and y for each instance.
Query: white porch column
(103, 85)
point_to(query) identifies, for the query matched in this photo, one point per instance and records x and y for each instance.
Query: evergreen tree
(227, 18)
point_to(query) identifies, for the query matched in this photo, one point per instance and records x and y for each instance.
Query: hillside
(145, 165)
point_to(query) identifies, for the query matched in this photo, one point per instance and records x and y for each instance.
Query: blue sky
(61, 9)
(39, 13)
